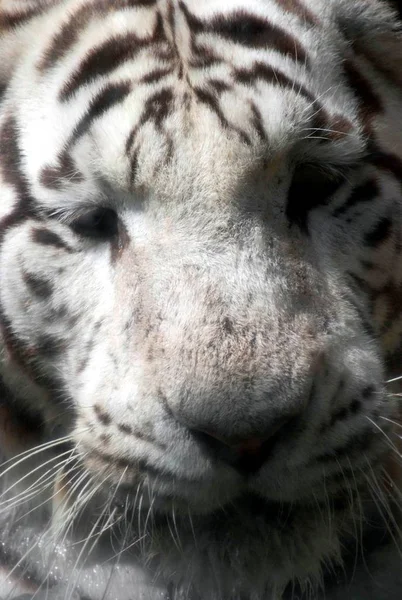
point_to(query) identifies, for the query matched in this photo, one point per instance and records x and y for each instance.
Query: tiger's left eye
(98, 223)
(310, 187)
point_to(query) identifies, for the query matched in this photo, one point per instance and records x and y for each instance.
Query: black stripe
(246, 29)
(39, 287)
(105, 58)
(210, 100)
(365, 192)
(3, 90)
(12, 20)
(109, 96)
(369, 102)
(46, 237)
(157, 107)
(262, 72)
(156, 75)
(70, 31)
(48, 346)
(337, 124)
(112, 94)
(53, 177)
(12, 174)
(358, 443)
(258, 121)
(386, 161)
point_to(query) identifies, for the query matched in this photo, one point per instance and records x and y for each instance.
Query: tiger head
(200, 229)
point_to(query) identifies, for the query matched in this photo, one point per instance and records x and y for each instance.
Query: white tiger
(200, 300)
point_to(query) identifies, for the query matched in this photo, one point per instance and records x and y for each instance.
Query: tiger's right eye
(98, 223)
(311, 186)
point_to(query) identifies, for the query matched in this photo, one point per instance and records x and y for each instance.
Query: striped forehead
(141, 76)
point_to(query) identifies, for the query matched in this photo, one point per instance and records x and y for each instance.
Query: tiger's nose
(246, 455)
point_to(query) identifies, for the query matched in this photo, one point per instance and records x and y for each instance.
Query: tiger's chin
(250, 549)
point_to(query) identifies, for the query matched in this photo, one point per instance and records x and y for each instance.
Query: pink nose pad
(250, 447)
(245, 454)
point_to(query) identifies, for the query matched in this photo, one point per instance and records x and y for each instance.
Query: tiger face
(198, 224)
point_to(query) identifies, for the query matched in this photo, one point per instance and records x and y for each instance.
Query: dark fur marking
(368, 392)
(134, 165)
(3, 90)
(359, 443)
(249, 30)
(140, 435)
(365, 192)
(156, 75)
(380, 232)
(11, 171)
(102, 416)
(262, 72)
(12, 20)
(103, 59)
(359, 282)
(228, 325)
(88, 347)
(49, 345)
(53, 177)
(156, 108)
(61, 312)
(210, 100)
(164, 401)
(25, 357)
(38, 286)
(45, 237)
(340, 415)
(326, 126)
(202, 56)
(366, 324)
(124, 463)
(369, 102)
(346, 412)
(355, 406)
(125, 429)
(111, 95)
(367, 265)
(218, 85)
(70, 31)
(387, 161)
(258, 122)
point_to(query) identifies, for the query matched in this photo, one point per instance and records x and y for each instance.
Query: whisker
(49, 499)
(32, 452)
(29, 474)
(391, 444)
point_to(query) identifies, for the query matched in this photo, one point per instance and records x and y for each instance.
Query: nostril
(246, 454)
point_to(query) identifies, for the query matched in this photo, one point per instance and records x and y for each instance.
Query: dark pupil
(99, 223)
(310, 187)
